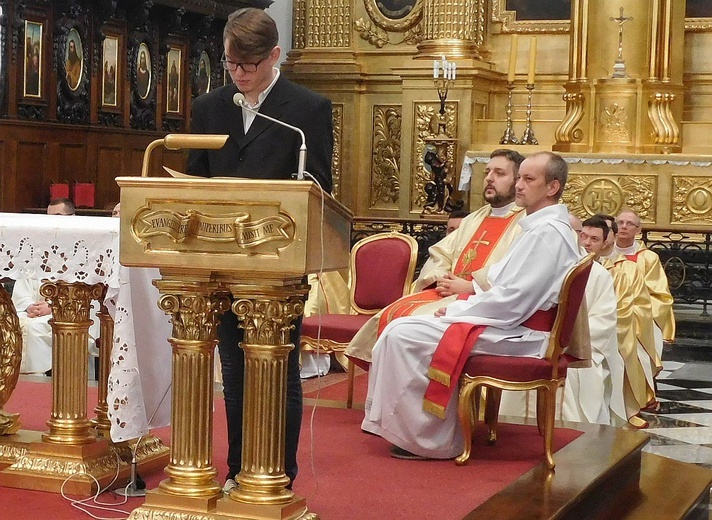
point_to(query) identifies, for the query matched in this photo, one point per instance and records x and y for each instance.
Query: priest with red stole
(412, 387)
(482, 239)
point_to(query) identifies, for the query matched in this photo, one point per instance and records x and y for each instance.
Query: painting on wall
(173, 87)
(203, 76)
(73, 59)
(110, 54)
(143, 71)
(540, 10)
(33, 59)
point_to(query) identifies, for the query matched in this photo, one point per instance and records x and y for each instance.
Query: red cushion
(335, 327)
(510, 368)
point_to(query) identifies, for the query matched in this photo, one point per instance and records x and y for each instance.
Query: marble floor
(682, 428)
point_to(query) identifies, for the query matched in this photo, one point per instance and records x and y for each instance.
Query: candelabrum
(528, 137)
(442, 85)
(508, 137)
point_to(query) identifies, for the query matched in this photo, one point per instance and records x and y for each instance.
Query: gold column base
(14, 446)
(151, 455)
(162, 506)
(45, 467)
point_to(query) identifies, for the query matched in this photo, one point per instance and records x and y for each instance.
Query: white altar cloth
(86, 249)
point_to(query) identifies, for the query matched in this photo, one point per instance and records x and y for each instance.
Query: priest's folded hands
(451, 284)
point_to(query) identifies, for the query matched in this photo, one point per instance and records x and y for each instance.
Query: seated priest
(481, 239)
(412, 388)
(635, 335)
(591, 394)
(655, 279)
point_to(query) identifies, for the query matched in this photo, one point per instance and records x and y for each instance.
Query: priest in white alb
(408, 404)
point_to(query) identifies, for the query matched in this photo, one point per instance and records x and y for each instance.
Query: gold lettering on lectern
(196, 225)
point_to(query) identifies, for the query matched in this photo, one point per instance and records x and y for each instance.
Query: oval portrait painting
(74, 59)
(203, 78)
(143, 71)
(395, 9)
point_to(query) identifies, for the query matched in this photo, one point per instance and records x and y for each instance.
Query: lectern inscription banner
(242, 228)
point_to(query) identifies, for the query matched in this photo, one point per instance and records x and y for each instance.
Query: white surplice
(528, 278)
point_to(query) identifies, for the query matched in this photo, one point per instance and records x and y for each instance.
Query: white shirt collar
(501, 212)
(263, 95)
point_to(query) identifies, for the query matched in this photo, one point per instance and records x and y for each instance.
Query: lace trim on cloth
(86, 249)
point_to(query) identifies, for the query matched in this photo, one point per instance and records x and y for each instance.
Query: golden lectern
(255, 241)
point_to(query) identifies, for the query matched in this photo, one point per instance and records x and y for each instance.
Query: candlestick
(442, 85)
(532, 61)
(512, 59)
(528, 137)
(508, 137)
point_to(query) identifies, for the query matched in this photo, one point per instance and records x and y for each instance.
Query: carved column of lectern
(253, 240)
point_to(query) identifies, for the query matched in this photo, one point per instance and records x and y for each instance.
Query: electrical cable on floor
(319, 375)
(93, 502)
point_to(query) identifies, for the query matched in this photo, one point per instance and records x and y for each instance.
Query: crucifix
(619, 66)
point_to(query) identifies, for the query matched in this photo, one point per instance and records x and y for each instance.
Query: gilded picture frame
(520, 16)
(110, 72)
(394, 15)
(698, 16)
(508, 19)
(32, 72)
(174, 90)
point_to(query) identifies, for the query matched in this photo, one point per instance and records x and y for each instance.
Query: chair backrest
(382, 268)
(570, 298)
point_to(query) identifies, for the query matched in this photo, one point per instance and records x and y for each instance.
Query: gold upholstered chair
(381, 270)
(546, 375)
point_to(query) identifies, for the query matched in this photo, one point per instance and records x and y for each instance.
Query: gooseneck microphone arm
(239, 100)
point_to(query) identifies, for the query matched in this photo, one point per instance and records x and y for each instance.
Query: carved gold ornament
(10, 357)
(386, 155)
(588, 194)
(692, 199)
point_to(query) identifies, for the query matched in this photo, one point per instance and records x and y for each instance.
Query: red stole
(473, 257)
(451, 355)
(633, 257)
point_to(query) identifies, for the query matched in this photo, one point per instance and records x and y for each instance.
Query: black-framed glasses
(232, 66)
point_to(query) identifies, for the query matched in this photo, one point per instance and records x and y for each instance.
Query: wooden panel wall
(63, 124)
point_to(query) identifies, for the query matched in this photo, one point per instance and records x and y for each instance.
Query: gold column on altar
(624, 93)
(454, 29)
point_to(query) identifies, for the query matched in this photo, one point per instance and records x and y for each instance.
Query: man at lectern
(260, 149)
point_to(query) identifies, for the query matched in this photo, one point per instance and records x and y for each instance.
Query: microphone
(239, 100)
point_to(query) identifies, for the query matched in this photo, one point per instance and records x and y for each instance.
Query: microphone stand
(239, 100)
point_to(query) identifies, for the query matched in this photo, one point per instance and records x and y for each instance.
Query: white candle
(532, 61)
(512, 59)
(436, 67)
(454, 70)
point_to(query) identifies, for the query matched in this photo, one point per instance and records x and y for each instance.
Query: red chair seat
(517, 369)
(340, 328)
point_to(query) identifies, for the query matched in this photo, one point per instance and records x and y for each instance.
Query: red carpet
(353, 476)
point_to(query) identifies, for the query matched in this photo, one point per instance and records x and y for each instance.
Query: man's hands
(38, 309)
(451, 284)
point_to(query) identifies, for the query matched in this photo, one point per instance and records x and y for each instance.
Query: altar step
(604, 475)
